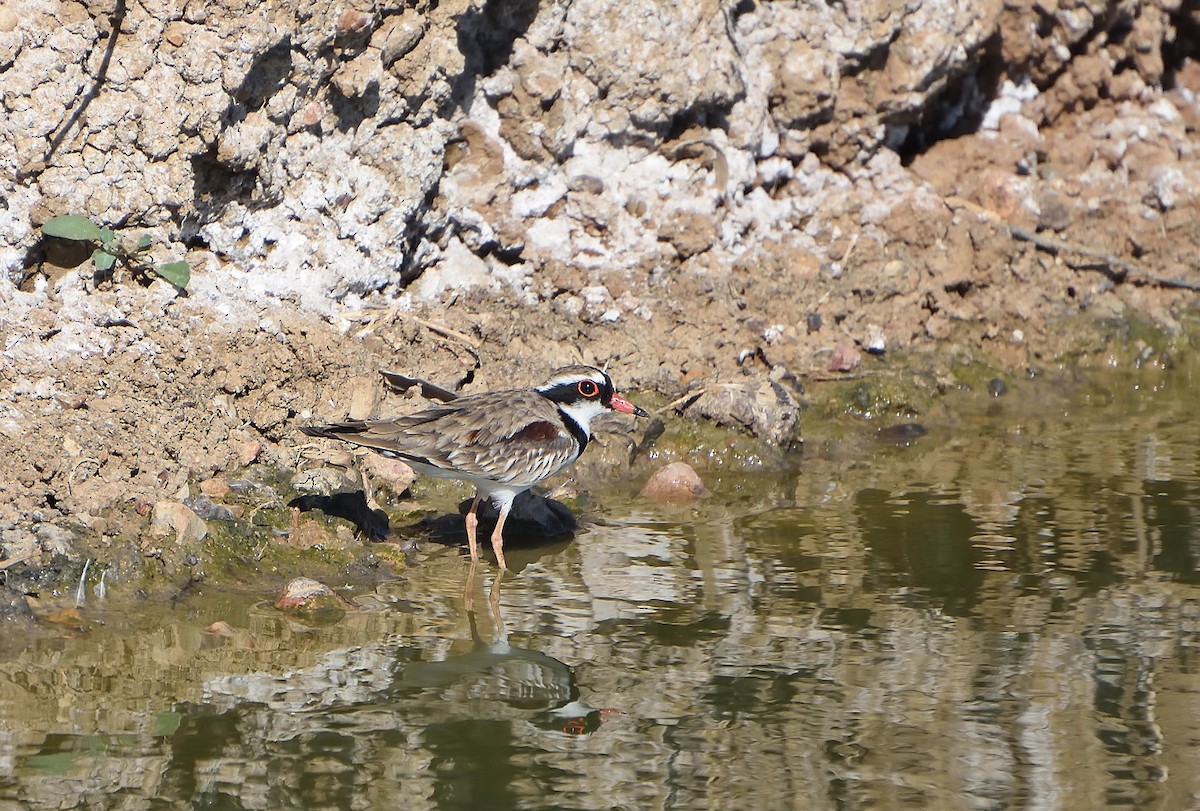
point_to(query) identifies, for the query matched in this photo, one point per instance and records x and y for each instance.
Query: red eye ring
(588, 388)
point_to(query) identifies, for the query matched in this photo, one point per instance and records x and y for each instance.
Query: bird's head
(584, 393)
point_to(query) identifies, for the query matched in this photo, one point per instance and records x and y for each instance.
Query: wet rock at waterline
(674, 483)
(767, 409)
(303, 595)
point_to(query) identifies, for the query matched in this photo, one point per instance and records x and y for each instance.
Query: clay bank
(755, 215)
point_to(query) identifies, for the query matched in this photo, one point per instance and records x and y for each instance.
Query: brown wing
(514, 437)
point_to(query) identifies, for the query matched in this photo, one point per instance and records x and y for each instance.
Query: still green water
(1003, 613)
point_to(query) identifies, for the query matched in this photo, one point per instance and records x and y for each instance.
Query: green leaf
(56, 762)
(166, 723)
(109, 240)
(143, 242)
(177, 273)
(72, 226)
(103, 259)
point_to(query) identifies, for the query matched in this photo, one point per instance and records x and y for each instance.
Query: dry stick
(691, 395)
(446, 332)
(4, 564)
(394, 312)
(1115, 268)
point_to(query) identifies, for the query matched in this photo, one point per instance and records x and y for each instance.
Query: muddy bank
(170, 457)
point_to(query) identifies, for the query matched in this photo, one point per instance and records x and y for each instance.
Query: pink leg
(472, 523)
(498, 539)
(494, 603)
(469, 588)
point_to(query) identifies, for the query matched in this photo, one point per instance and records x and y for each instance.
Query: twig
(692, 396)
(845, 260)
(1114, 267)
(4, 564)
(446, 332)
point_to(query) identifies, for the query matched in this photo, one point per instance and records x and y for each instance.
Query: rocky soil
(741, 202)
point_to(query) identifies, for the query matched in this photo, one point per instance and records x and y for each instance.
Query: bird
(502, 442)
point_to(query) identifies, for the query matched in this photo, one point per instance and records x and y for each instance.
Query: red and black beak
(619, 403)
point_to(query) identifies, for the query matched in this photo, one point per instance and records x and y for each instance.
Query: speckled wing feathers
(515, 438)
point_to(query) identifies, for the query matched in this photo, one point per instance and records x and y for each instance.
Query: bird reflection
(521, 678)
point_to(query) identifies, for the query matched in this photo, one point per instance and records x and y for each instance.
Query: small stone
(215, 487)
(54, 540)
(768, 409)
(225, 405)
(323, 480)
(876, 342)
(174, 34)
(306, 595)
(398, 475)
(364, 398)
(306, 534)
(351, 21)
(677, 482)
(1053, 214)
(250, 452)
(219, 628)
(311, 114)
(172, 515)
(204, 507)
(18, 544)
(902, 434)
(938, 327)
(71, 402)
(846, 358)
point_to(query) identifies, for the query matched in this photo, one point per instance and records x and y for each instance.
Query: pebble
(846, 358)
(207, 510)
(215, 487)
(250, 451)
(307, 595)
(876, 342)
(396, 473)
(902, 434)
(172, 515)
(323, 480)
(677, 482)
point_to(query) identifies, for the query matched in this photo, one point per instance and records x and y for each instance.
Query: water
(1003, 613)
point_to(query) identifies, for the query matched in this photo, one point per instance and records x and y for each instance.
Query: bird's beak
(619, 403)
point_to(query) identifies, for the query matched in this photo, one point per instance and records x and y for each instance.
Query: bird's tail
(335, 430)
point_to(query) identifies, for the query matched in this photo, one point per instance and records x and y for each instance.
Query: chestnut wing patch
(540, 431)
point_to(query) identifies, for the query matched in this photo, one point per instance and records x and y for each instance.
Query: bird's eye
(588, 388)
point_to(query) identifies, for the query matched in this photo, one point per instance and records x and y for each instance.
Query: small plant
(109, 249)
